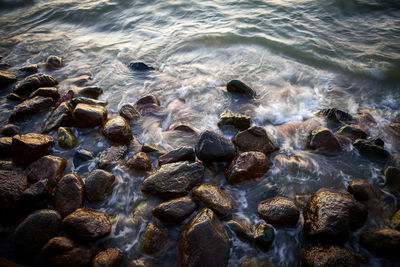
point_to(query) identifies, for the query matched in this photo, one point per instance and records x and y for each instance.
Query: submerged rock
(66, 138)
(331, 214)
(255, 139)
(236, 86)
(7, 78)
(140, 161)
(82, 156)
(9, 130)
(46, 92)
(173, 180)
(118, 130)
(53, 62)
(203, 241)
(214, 147)
(248, 165)
(61, 116)
(29, 69)
(36, 230)
(323, 139)
(69, 194)
(175, 210)
(88, 116)
(384, 242)
(371, 151)
(328, 256)
(154, 240)
(181, 154)
(33, 82)
(214, 198)
(30, 107)
(49, 168)
(129, 113)
(110, 157)
(111, 257)
(148, 105)
(87, 225)
(28, 148)
(140, 66)
(239, 121)
(279, 211)
(12, 186)
(64, 252)
(97, 185)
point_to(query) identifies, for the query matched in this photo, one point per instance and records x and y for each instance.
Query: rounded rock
(118, 130)
(214, 198)
(97, 185)
(111, 257)
(175, 210)
(69, 194)
(139, 161)
(214, 147)
(279, 211)
(28, 148)
(88, 116)
(154, 239)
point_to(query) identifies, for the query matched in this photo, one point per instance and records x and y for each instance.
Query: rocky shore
(45, 215)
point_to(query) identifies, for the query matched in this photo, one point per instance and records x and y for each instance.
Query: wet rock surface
(89, 91)
(53, 170)
(147, 105)
(61, 116)
(129, 113)
(12, 186)
(181, 154)
(154, 239)
(140, 161)
(53, 62)
(87, 225)
(140, 66)
(97, 185)
(69, 194)
(255, 139)
(361, 190)
(239, 87)
(7, 78)
(329, 256)
(195, 239)
(383, 242)
(154, 149)
(34, 82)
(46, 92)
(371, 151)
(28, 148)
(279, 211)
(111, 257)
(175, 210)
(82, 156)
(323, 139)
(214, 198)
(214, 147)
(336, 117)
(88, 116)
(118, 130)
(239, 121)
(111, 156)
(66, 138)
(30, 107)
(353, 132)
(173, 180)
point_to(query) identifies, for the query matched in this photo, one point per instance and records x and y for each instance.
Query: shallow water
(300, 56)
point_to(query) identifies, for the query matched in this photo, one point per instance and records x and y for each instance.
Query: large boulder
(87, 116)
(65, 252)
(111, 156)
(148, 105)
(384, 242)
(154, 240)
(111, 257)
(61, 116)
(28, 148)
(175, 210)
(236, 86)
(371, 151)
(47, 167)
(7, 78)
(12, 186)
(328, 256)
(255, 139)
(33, 82)
(331, 214)
(26, 109)
(184, 153)
(69, 194)
(140, 162)
(239, 121)
(214, 198)
(97, 185)
(214, 147)
(118, 130)
(323, 139)
(279, 211)
(174, 180)
(87, 225)
(203, 241)
(248, 165)
(36, 230)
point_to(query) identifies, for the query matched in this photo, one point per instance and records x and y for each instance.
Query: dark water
(300, 57)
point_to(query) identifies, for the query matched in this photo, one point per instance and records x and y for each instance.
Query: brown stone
(111, 156)
(9, 130)
(239, 121)
(7, 78)
(69, 194)
(111, 257)
(384, 242)
(12, 186)
(323, 139)
(248, 165)
(47, 167)
(129, 113)
(361, 190)
(88, 116)
(89, 91)
(26, 109)
(46, 92)
(28, 148)
(53, 62)
(147, 105)
(175, 210)
(33, 82)
(255, 139)
(214, 198)
(327, 256)
(154, 240)
(61, 116)
(118, 130)
(97, 185)
(140, 161)
(181, 154)
(353, 132)
(279, 211)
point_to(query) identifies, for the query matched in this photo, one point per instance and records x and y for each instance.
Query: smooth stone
(111, 257)
(129, 113)
(9, 130)
(49, 168)
(26, 109)
(7, 78)
(53, 62)
(118, 130)
(12, 186)
(214, 147)
(331, 214)
(81, 156)
(279, 211)
(239, 121)
(88, 116)
(46, 92)
(140, 66)
(361, 190)
(353, 132)
(30, 147)
(87, 225)
(89, 101)
(147, 105)
(371, 151)
(255, 139)
(154, 240)
(173, 180)
(89, 91)
(178, 126)
(5, 147)
(140, 162)
(181, 154)
(329, 256)
(69, 194)
(323, 139)
(61, 116)
(175, 210)
(384, 242)
(34, 82)
(236, 86)
(153, 149)
(111, 156)
(30, 69)
(97, 184)
(195, 239)
(246, 166)
(36, 230)
(66, 138)
(65, 252)
(214, 198)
